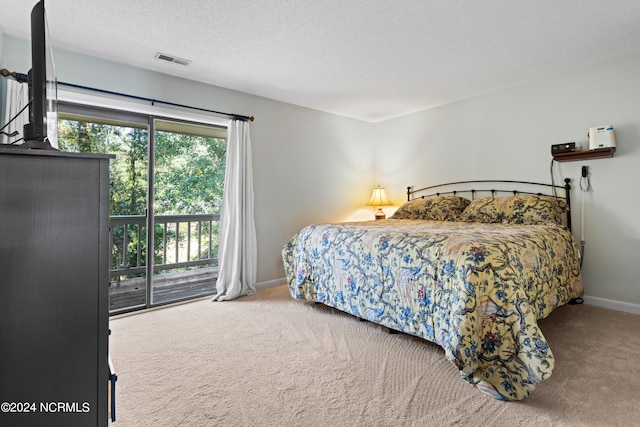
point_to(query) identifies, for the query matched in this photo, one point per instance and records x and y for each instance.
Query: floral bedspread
(475, 289)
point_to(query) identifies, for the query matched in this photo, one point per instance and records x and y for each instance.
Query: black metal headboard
(494, 188)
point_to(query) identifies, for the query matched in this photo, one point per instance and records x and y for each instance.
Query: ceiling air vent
(171, 58)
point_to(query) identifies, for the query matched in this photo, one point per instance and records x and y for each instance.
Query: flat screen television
(42, 129)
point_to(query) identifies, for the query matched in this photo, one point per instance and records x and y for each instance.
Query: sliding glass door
(189, 162)
(181, 202)
(126, 136)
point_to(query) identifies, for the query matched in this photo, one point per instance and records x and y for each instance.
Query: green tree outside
(189, 175)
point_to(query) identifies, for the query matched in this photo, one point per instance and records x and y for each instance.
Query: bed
(469, 271)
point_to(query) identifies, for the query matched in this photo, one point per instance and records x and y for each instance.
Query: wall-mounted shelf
(584, 155)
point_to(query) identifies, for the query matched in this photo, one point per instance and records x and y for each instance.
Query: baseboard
(271, 283)
(614, 305)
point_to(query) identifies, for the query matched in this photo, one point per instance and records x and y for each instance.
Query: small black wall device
(567, 147)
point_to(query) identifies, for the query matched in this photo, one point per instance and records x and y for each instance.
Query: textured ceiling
(367, 59)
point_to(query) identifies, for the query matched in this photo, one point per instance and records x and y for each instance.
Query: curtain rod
(156, 101)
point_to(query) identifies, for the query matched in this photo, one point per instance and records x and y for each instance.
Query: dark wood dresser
(54, 273)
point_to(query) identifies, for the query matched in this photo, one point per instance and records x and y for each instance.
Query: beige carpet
(267, 360)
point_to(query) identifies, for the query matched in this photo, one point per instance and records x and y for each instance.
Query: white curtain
(237, 251)
(17, 96)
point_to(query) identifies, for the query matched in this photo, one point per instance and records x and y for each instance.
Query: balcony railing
(180, 241)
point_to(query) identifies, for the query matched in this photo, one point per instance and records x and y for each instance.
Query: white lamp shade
(379, 198)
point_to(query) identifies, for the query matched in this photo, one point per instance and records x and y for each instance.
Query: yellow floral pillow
(532, 209)
(519, 209)
(487, 210)
(445, 208)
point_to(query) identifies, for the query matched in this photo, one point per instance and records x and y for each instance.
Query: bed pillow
(445, 208)
(532, 209)
(486, 209)
(519, 209)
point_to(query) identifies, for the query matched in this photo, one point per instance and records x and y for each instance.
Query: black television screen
(42, 129)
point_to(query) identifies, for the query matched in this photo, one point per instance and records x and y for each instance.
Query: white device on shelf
(601, 137)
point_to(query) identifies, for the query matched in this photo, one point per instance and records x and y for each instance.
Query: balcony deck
(168, 287)
(181, 242)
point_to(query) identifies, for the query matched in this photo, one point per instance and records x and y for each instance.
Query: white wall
(309, 166)
(508, 134)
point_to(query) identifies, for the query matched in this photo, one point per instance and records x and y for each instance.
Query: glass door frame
(151, 223)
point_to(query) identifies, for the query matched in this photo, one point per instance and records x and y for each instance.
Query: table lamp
(379, 198)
